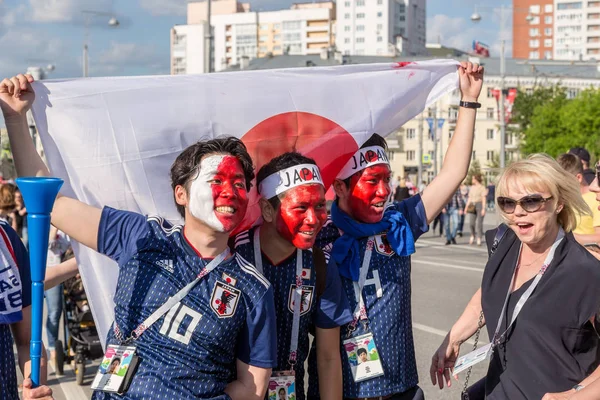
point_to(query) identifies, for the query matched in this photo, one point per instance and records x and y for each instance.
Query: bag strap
(320, 263)
(500, 232)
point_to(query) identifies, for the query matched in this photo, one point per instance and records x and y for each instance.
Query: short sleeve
(257, 344)
(120, 232)
(333, 309)
(414, 212)
(22, 257)
(596, 216)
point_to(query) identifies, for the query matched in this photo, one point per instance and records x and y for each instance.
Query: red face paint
(218, 196)
(369, 190)
(301, 215)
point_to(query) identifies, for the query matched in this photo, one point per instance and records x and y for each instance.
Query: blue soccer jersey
(387, 294)
(8, 372)
(190, 352)
(327, 311)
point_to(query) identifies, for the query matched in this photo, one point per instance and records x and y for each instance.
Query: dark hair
(186, 165)
(115, 359)
(374, 140)
(281, 162)
(582, 153)
(360, 351)
(281, 390)
(570, 163)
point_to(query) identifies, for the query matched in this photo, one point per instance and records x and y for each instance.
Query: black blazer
(552, 346)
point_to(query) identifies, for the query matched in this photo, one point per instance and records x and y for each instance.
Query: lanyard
(172, 301)
(360, 312)
(297, 296)
(525, 296)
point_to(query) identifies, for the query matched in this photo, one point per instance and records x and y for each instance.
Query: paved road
(443, 280)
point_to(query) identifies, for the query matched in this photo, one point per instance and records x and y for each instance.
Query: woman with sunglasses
(539, 295)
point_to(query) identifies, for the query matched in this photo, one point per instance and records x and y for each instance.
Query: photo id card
(117, 366)
(472, 358)
(282, 386)
(363, 357)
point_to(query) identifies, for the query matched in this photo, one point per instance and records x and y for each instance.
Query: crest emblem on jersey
(383, 246)
(224, 300)
(306, 298)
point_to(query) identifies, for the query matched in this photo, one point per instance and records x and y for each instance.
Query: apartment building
(239, 33)
(577, 30)
(381, 27)
(533, 29)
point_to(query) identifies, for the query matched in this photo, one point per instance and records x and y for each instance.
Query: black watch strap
(469, 104)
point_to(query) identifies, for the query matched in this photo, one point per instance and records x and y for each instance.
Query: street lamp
(476, 17)
(113, 22)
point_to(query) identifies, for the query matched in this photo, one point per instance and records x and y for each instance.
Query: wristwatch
(469, 104)
(578, 387)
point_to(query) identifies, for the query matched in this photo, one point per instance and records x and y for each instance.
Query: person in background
(422, 186)
(588, 226)
(477, 201)
(402, 191)
(58, 244)
(8, 204)
(464, 190)
(412, 189)
(21, 217)
(491, 196)
(453, 209)
(584, 156)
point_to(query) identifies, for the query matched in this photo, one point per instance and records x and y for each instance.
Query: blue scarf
(346, 250)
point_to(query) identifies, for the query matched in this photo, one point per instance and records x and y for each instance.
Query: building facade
(381, 27)
(240, 34)
(577, 30)
(533, 29)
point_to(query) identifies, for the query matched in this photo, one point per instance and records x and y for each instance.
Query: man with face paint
(373, 253)
(294, 210)
(202, 320)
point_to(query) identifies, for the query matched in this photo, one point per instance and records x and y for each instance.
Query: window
(360, 15)
(347, 4)
(547, 42)
(360, 28)
(379, 39)
(534, 55)
(490, 134)
(263, 49)
(572, 93)
(473, 155)
(593, 4)
(490, 155)
(548, 19)
(379, 27)
(347, 40)
(410, 155)
(347, 16)
(410, 133)
(402, 18)
(534, 43)
(533, 32)
(594, 16)
(277, 37)
(292, 37)
(569, 6)
(379, 14)
(291, 25)
(263, 38)
(490, 92)
(264, 27)
(548, 55)
(379, 2)
(360, 40)
(360, 3)
(548, 8)
(453, 114)
(529, 91)
(489, 113)
(534, 9)
(276, 48)
(347, 28)
(535, 21)
(277, 26)
(450, 133)
(548, 31)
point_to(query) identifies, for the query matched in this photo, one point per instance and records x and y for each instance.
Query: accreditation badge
(363, 357)
(282, 386)
(116, 369)
(472, 358)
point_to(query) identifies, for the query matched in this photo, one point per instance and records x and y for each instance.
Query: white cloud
(128, 55)
(65, 10)
(165, 7)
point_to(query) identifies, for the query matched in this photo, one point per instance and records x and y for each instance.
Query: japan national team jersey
(191, 351)
(328, 311)
(8, 372)
(387, 294)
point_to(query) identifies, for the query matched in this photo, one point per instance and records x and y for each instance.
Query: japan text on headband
(364, 158)
(288, 178)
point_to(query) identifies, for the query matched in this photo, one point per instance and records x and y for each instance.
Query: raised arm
(78, 220)
(458, 156)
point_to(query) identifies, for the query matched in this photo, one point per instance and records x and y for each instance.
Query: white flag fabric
(113, 140)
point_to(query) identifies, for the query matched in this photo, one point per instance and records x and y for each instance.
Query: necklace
(531, 263)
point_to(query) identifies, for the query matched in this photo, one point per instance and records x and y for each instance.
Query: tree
(525, 105)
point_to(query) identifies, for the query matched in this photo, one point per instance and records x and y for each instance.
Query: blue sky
(40, 32)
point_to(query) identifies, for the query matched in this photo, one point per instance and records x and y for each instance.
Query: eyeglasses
(598, 172)
(531, 203)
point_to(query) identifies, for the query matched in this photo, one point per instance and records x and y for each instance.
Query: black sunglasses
(530, 203)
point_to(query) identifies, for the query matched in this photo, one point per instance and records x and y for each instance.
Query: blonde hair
(540, 172)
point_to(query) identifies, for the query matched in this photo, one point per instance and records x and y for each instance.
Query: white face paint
(201, 203)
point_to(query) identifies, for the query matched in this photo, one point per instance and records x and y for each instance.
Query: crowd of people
(212, 315)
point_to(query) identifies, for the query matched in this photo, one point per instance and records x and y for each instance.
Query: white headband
(288, 178)
(362, 159)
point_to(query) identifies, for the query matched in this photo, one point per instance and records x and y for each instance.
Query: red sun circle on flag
(312, 135)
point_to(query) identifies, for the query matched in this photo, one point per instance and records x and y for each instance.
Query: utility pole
(435, 141)
(420, 151)
(502, 110)
(210, 37)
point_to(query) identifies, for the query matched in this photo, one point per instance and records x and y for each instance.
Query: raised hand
(471, 80)
(16, 95)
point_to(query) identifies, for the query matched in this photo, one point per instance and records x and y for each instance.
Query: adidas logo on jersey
(166, 265)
